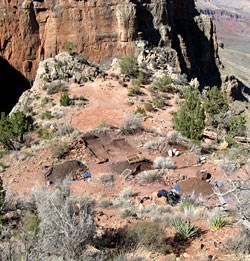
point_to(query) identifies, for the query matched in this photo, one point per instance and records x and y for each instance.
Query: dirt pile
(196, 186)
(59, 172)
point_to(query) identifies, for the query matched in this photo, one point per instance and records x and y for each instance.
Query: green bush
(215, 104)
(141, 111)
(46, 115)
(134, 91)
(65, 100)
(184, 228)
(44, 134)
(163, 84)
(158, 101)
(129, 66)
(236, 125)
(69, 46)
(12, 128)
(216, 101)
(190, 119)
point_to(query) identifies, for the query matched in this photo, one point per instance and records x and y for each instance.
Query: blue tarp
(86, 175)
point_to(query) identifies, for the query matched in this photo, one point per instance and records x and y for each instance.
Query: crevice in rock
(13, 84)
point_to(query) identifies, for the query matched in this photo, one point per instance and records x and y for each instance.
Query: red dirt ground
(108, 104)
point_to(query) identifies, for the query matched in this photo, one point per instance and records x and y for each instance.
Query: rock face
(31, 31)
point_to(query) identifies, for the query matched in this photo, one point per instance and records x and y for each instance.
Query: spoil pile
(58, 173)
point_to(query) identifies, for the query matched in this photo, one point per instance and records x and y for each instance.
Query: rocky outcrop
(31, 31)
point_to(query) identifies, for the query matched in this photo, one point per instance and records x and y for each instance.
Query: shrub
(134, 91)
(151, 145)
(190, 119)
(146, 234)
(184, 229)
(127, 212)
(44, 134)
(105, 204)
(65, 100)
(149, 176)
(158, 101)
(31, 223)
(55, 88)
(148, 107)
(46, 115)
(13, 128)
(69, 46)
(129, 66)
(122, 83)
(107, 179)
(132, 124)
(64, 128)
(141, 111)
(126, 193)
(216, 101)
(59, 150)
(163, 84)
(66, 223)
(163, 163)
(217, 222)
(240, 243)
(236, 125)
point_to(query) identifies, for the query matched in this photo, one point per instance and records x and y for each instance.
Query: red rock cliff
(31, 31)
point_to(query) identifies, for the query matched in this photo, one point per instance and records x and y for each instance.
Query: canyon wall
(31, 31)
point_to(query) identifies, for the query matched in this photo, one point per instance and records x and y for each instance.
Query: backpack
(173, 198)
(162, 193)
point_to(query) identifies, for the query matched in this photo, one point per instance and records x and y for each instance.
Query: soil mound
(59, 172)
(195, 185)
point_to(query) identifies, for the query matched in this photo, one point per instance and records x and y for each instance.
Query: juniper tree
(190, 119)
(6, 133)
(215, 105)
(21, 124)
(12, 128)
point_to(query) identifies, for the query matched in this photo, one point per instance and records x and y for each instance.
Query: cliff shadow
(13, 84)
(200, 52)
(146, 25)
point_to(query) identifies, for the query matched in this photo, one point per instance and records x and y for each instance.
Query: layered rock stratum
(31, 31)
